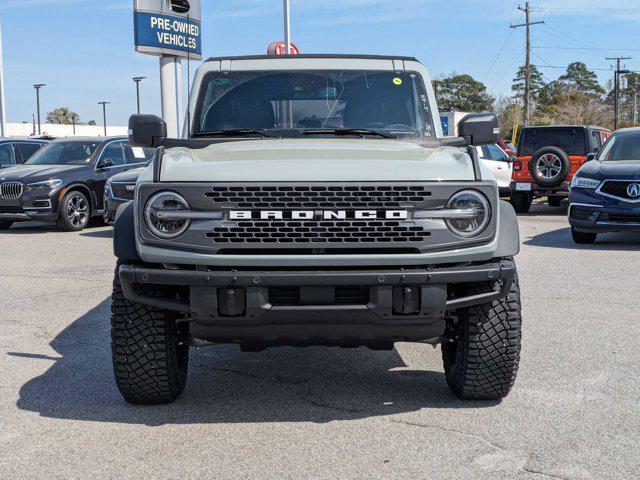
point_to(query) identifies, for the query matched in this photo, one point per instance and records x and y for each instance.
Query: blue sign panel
(445, 124)
(167, 35)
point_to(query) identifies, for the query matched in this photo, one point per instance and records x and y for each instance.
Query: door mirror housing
(591, 156)
(146, 130)
(105, 163)
(480, 129)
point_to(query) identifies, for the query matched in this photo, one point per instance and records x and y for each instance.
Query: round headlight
(474, 213)
(165, 202)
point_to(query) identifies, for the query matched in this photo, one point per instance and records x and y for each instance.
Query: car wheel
(150, 356)
(74, 212)
(5, 224)
(550, 166)
(521, 201)
(554, 201)
(481, 359)
(583, 238)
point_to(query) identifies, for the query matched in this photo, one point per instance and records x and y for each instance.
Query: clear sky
(83, 49)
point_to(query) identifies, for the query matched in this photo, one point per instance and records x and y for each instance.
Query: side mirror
(146, 130)
(480, 128)
(105, 163)
(591, 156)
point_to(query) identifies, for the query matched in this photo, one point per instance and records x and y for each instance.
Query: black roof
(542, 127)
(315, 55)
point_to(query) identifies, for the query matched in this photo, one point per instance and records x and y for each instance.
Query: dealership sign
(168, 27)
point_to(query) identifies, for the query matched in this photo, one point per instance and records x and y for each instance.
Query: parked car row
(64, 182)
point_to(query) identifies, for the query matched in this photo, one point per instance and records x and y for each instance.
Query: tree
(509, 113)
(462, 93)
(91, 122)
(62, 115)
(580, 79)
(536, 85)
(574, 108)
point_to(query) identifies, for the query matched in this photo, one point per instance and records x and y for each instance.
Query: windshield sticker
(221, 81)
(397, 81)
(138, 152)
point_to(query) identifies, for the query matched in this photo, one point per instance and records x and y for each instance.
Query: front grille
(301, 232)
(623, 218)
(11, 190)
(318, 197)
(344, 295)
(618, 188)
(123, 191)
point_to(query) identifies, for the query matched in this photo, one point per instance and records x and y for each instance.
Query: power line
(616, 87)
(498, 56)
(589, 48)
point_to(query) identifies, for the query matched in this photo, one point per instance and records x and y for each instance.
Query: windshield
(288, 103)
(64, 153)
(621, 146)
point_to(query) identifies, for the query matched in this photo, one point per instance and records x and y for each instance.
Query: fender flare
(508, 232)
(85, 190)
(124, 234)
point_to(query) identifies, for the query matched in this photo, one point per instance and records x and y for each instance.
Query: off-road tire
(150, 359)
(583, 238)
(482, 361)
(521, 201)
(5, 224)
(65, 221)
(554, 201)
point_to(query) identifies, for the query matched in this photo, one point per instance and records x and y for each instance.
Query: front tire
(521, 201)
(554, 201)
(150, 358)
(74, 212)
(583, 238)
(481, 361)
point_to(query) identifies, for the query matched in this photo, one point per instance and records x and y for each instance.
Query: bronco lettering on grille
(318, 215)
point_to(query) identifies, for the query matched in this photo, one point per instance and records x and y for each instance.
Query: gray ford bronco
(313, 200)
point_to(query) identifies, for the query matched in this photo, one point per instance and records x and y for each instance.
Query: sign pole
(3, 113)
(171, 93)
(287, 27)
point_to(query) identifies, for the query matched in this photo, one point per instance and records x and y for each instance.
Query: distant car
(548, 158)
(500, 164)
(64, 181)
(507, 147)
(605, 192)
(119, 189)
(15, 152)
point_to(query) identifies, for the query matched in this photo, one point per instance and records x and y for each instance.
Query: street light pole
(38, 86)
(104, 115)
(287, 27)
(138, 80)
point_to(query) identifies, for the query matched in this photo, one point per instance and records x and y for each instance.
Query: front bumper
(31, 205)
(589, 212)
(247, 307)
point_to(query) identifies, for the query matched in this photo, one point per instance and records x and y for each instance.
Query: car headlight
(470, 213)
(45, 186)
(583, 182)
(158, 215)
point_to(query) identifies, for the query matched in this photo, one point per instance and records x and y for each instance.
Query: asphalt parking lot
(322, 413)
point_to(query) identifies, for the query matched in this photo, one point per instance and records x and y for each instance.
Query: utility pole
(287, 27)
(38, 86)
(138, 80)
(527, 65)
(616, 88)
(634, 112)
(104, 115)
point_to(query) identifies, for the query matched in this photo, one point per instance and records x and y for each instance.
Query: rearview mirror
(480, 128)
(105, 163)
(146, 130)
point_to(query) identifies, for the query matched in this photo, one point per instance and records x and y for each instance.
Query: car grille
(10, 209)
(346, 197)
(623, 218)
(123, 191)
(11, 190)
(618, 188)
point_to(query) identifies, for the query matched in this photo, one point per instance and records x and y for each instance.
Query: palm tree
(62, 115)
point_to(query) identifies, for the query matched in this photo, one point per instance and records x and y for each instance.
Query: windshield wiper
(233, 132)
(347, 131)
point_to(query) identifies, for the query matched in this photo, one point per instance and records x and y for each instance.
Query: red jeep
(548, 157)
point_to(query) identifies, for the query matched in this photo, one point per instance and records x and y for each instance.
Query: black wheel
(150, 357)
(521, 201)
(550, 166)
(5, 224)
(583, 238)
(554, 201)
(74, 212)
(481, 361)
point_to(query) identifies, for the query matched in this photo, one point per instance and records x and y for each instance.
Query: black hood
(40, 173)
(618, 170)
(130, 176)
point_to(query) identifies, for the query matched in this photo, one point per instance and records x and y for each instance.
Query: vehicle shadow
(95, 233)
(227, 386)
(561, 238)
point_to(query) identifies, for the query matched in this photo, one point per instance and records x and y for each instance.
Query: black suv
(15, 152)
(64, 182)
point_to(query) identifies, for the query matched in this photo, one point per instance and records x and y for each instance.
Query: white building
(58, 131)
